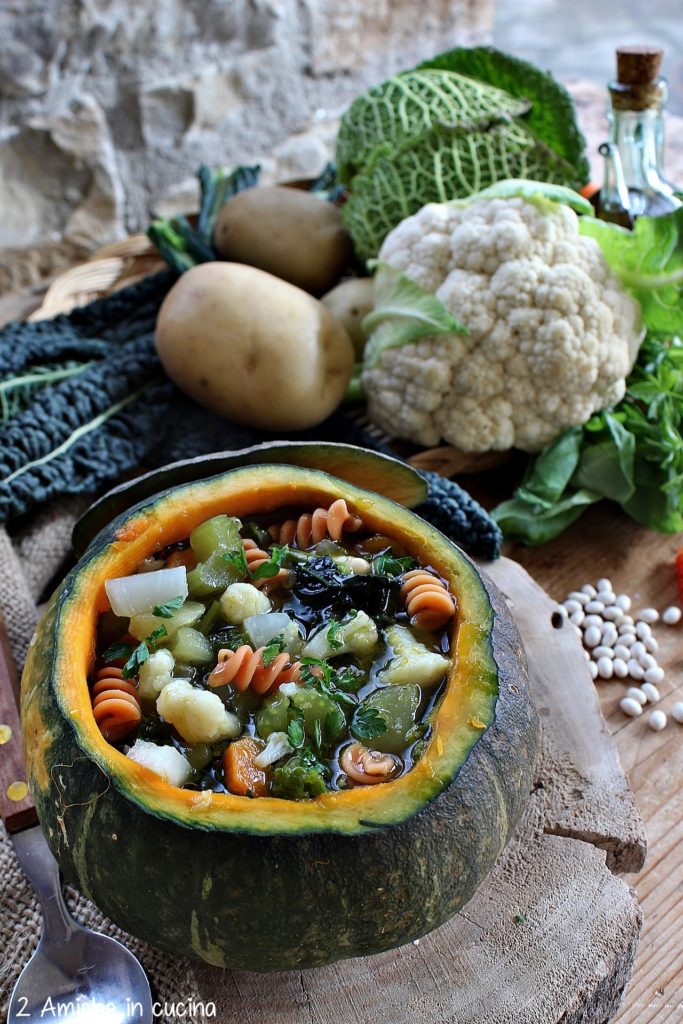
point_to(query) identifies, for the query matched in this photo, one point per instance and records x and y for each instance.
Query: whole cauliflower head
(552, 334)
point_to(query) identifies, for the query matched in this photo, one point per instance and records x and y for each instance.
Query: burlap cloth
(30, 561)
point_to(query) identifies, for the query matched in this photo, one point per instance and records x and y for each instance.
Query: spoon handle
(16, 805)
(42, 871)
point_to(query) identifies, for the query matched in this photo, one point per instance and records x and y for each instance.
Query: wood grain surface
(551, 934)
(606, 543)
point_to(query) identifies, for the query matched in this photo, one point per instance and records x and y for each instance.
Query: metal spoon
(75, 974)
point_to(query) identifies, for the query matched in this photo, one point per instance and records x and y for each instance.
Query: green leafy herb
(403, 313)
(334, 632)
(317, 735)
(389, 565)
(119, 651)
(237, 560)
(272, 567)
(165, 610)
(367, 723)
(295, 729)
(632, 455)
(270, 653)
(334, 725)
(326, 680)
(142, 652)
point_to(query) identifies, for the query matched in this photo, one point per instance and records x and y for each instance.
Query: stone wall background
(107, 107)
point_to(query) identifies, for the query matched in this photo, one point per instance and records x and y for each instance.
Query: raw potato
(350, 302)
(253, 348)
(288, 232)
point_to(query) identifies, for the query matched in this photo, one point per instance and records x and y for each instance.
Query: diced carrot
(242, 777)
(185, 557)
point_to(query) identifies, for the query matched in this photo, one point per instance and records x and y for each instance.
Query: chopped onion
(133, 595)
(278, 745)
(262, 628)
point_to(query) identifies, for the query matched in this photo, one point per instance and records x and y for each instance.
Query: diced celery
(142, 626)
(297, 780)
(243, 703)
(191, 646)
(314, 705)
(209, 619)
(222, 533)
(199, 755)
(212, 576)
(273, 715)
(398, 706)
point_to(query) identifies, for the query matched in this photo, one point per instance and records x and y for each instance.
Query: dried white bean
(604, 584)
(654, 674)
(609, 634)
(606, 596)
(613, 614)
(671, 616)
(593, 669)
(623, 601)
(592, 636)
(628, 621)
(573, 606)
(578, 595)
(648, 662)
(561, 611)
(635, 669)
(642, 629)
(594, 608)
(622, 651)
(636, 694)
(620, 668)
(627, 639)
(586, 654)
(651, 644)
(605, 668)
(677, 711)
(651, 692)
(648, 615)
(588, 589)
(601, 651)
(657, 720)
(637, 649)
(630, 707)
(592, 620)
(577, 617)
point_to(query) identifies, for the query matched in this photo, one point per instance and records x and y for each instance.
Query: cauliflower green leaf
(404, 312)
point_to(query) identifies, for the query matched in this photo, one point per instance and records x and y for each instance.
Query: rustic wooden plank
(587, 794)
(606, 543)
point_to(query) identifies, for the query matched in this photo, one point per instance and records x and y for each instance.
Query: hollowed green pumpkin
(271, 884)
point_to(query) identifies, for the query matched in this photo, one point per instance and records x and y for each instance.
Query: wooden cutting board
(551, 934)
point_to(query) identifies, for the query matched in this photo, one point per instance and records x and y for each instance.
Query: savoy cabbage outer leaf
(541, 193)
(445, 163)
(411, 103)
(403, 314)
(551, 116)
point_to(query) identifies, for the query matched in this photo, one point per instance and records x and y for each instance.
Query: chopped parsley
(278, 553)
(368, 723)
(237, 560)
(120, 651)
(389, 565)
(141, 653)
(270, 653)
(165, 610)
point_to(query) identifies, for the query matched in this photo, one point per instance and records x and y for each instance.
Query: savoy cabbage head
(448, 129)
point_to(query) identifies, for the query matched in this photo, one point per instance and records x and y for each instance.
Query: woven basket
(123, 263)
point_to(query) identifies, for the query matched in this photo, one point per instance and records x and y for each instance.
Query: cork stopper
(638, 85)
(639, 65)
